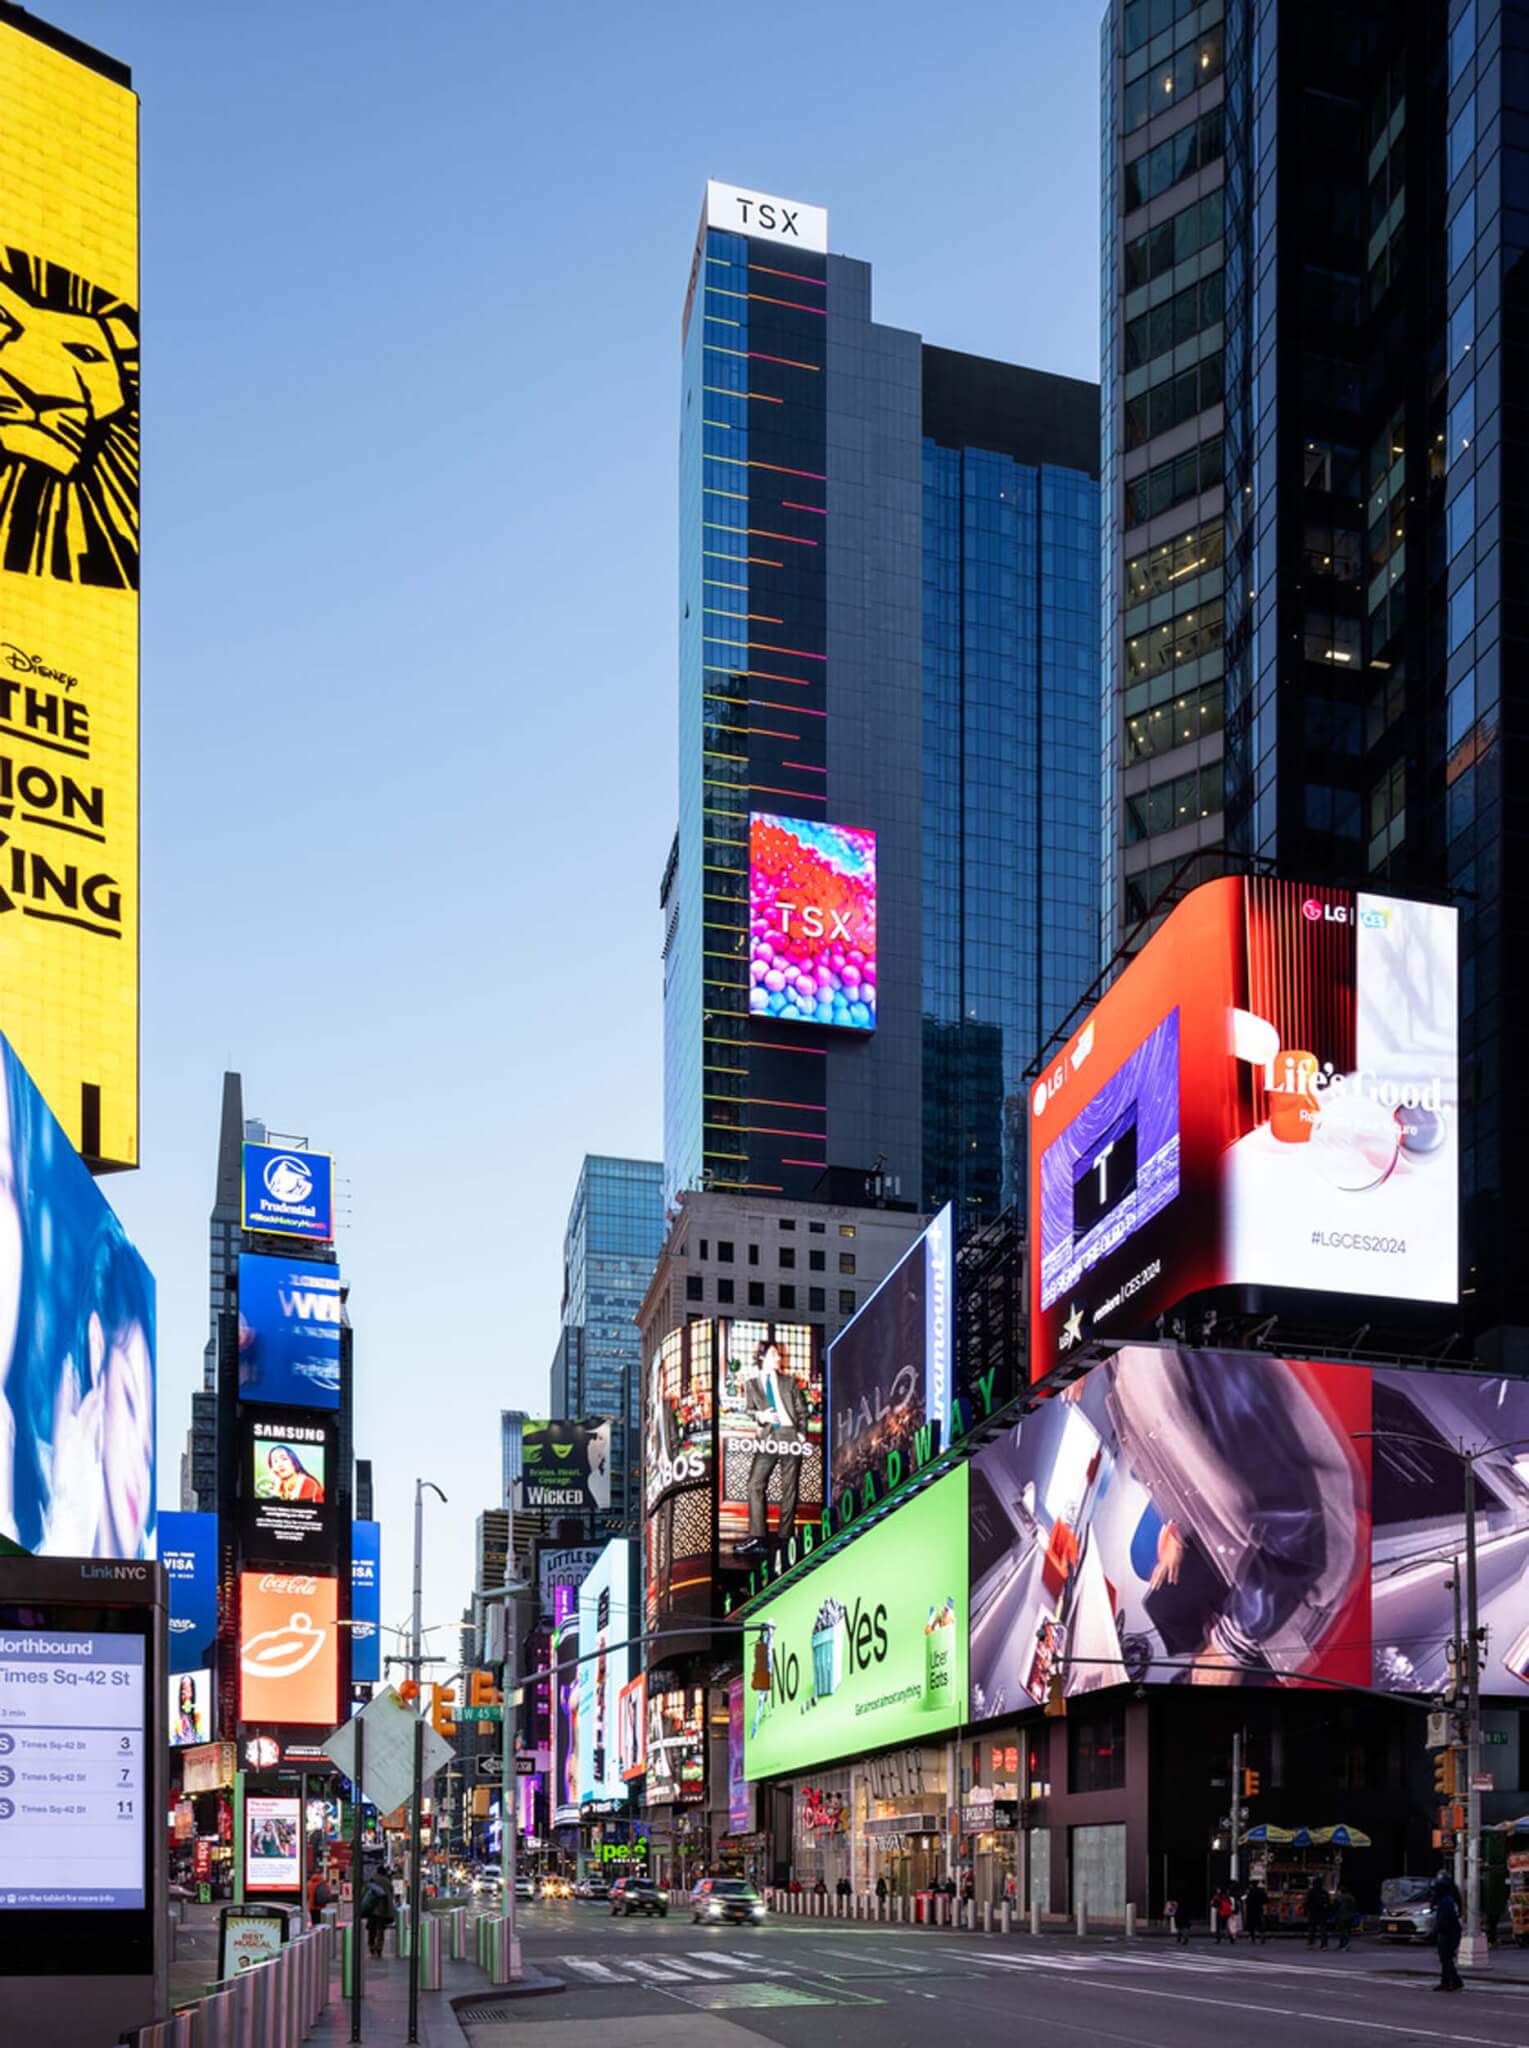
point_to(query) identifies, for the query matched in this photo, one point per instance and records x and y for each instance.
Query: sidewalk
(385, 2006)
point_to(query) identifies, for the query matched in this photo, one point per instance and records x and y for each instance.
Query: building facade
(615, 1229)
(887, 572)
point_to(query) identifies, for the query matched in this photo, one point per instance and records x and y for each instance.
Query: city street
(803, 1983)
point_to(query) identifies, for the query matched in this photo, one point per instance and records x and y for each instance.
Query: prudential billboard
(871, 1647)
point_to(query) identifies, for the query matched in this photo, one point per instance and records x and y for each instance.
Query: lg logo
(1316, 913)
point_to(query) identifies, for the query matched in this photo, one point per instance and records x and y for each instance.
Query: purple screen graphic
(1115, 1166)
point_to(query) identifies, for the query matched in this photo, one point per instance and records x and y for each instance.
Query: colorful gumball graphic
(812, 922)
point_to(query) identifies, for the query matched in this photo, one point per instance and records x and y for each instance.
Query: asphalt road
(669, 1984)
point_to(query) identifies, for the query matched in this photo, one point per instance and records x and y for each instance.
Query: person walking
(1254, 1906)
(843, 1888)
(1345, 1913)
(377, 1911)
(319, 1896)
(881, 1891)
(1177, 1916)
(1318, 1912)
(1222, 1907)
(1446, 1907)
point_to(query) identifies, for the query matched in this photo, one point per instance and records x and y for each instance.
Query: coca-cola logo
(275, 1583)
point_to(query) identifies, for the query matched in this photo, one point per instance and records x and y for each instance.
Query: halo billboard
(889, 1369)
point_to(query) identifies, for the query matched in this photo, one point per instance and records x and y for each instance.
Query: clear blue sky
(412, 285)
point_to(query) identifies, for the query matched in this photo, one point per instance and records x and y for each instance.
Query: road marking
(873, 1962)
(687, 1969)
(655, 1971)
(733, 1962)
(587, 1967)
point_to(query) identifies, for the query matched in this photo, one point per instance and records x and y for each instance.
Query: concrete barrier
(1130, 1918)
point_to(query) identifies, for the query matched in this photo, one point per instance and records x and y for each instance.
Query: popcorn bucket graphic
(828, 1649)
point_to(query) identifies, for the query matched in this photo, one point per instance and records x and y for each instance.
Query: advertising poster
(676, 1746)
(565, 1467)
(248, 1937)
(677, 1413)
(188, 1550)
(605, 1626)
(190, 1708)
(289, 1669)
(289, 1332)
(812, 922)
(286, 1511)
(366, 1603)
(1316, 1147)
(889, 1370)
(870, 1648)
(632, 1727)
(271, 1854)
(563, 1570)
(69, 468)
(770, 1435)
(288, 1192)
(208, 1769)
(565, 1740)
(740, 1800)
(77, 1370)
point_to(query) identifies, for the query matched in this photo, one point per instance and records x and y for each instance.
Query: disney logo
(26, 664)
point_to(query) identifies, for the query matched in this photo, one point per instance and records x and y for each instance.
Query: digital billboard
(77, 1367)
(69, 470)
(188, 1550)
(566, 1467)
(769, 1435)
(870, 1647)
(289, 1666)
(286, 1468)
(272, 1852)
(676, 1746)
(289, 1332)
(889, 1369)
(289, 1192)
(605, 1626)
(190, 1708)
(812, 922)
(565, 1731)
(1267, 1097)
(563, 1568)
(366, 1603)
(740, 1800)
(677, 1414)
(632, 1727)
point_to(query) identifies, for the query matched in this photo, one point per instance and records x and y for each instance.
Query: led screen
(188, 1550)
(77, 1397)
(288, 1509)
(563, 1568)
(632, 1727)
(605, 1626)
(769, 1436)
(289, 1668)
(69, 467)
(740, 1801)
(1267, 1097)
(870, 1647)
(289, 1192)
(289, 1332)
(889, 1369)
(566, 1467)
(366, 1603)
(812, 922)
(190, 1708)
(676, 1746)
(271, 1854)
(565, 1734)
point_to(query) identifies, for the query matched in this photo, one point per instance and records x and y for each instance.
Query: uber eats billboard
(871, 1647)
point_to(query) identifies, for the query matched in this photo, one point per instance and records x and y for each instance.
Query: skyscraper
(1313, 236)
(615, 1230)
(868, 642)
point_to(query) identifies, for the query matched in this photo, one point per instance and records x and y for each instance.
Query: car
(1407, 1909)
(556, 1888)
(720, 1899)
(487, 1881)
(596, 1888)
(629, 1895)
(525, 1887)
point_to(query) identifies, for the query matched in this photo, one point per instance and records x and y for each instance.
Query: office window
(787, 1296)
(705, 1248)
(753, 1255)
(788, 1256)
(815, 1300)
(789, 1223)
(694, 1287)
(846, 1262)
(817, 1229)
(725, 1250)
(846, 1230)
(817, 1261)
(756, 1294)
(846, 1301)
(725, 1291)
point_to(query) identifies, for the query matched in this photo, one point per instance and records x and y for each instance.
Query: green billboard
(870, 1648)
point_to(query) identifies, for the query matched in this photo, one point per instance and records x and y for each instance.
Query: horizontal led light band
(818, 1052)
(754, 355)
(805, 766)
(742, 462)
(727, 391)
(800, 796)
(769, 647)
(715, 611)
(774, 1131)
(790, 505)
(799, 710)
(770, 1102)
(765, 299)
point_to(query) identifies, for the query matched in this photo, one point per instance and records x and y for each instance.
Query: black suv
(638, 1895)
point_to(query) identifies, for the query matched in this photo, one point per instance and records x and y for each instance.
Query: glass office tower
(1315, 227)
(615, 1230)
(888, 568)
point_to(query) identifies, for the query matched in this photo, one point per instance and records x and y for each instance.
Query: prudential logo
(287, 1178)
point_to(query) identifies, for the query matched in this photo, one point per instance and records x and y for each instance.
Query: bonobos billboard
(1268, 1097)
(77, 1377)
(289, 1332)
(870, 1648)
(288, 1192)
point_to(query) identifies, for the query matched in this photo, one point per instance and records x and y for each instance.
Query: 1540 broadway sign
(871, 1648)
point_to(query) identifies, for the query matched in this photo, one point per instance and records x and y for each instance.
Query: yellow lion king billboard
(69, 410)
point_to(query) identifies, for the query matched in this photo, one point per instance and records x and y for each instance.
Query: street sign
(493, 1767)
(479, 1713)
(1483, 1782)
(1495, 1738)
(388, 1762)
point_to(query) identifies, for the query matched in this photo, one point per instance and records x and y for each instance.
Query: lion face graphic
(68, 427)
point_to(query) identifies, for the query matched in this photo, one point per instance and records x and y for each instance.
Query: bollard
(1130, 1918)
(898, 1907)
(987, 1916)
(347, 1956)
(1035, 1916)
(1082, 1916)
(1006, 1918)
(430, 1953)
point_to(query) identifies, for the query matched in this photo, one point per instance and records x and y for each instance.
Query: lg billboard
(1268, 1097)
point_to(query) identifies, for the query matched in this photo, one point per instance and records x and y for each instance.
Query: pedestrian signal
(482, 1691)
(1251, 1781)
(760, 1682)
(442, 1698)
(1446, 1773)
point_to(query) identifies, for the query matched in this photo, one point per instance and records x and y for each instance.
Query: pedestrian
(1010, 1890)
(1179, 1914)
(843, 1888)
(1345, 1913)
(968, 1888)
(1318, 1912)
(820, 1888)
(377, 1910)
(881, 1890)
(1222, 1907)
(795, 1887)
(1255, 1901)
(1446, 1907)
(319, 1896)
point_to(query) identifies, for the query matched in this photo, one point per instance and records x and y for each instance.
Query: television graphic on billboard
(769, 1436)
(286, 1473)
(289, 1332)
(288, 1192)
(289, 1668)
(69, 471)
(566, 1467)
(812, 922)
(676, 1746)
(1268, 1097)
(889, 1369)
(77, 1413)
(188, 1550)
(605, 1625)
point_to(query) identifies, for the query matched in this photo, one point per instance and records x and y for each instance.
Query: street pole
(356, 1886)
(509, 1797)
(1459, 1666)
(1236, 1799)
(1473, 1949)
(416, 1828)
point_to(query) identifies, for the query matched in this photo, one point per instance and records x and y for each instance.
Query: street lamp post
(509, 1788)
(416, 1662)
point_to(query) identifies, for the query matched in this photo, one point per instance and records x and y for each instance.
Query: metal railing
(275, 2005)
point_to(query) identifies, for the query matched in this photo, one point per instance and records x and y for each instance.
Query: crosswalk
(706, 1966)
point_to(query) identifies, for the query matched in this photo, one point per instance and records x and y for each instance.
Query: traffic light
(408, 1691)
(482, 1691)
(1056, 1699)
(760, 1682)
(1251, 1781)
(1446, 1772)
(442, 1698)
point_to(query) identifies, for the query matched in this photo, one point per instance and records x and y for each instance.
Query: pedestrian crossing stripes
(665, 1967)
